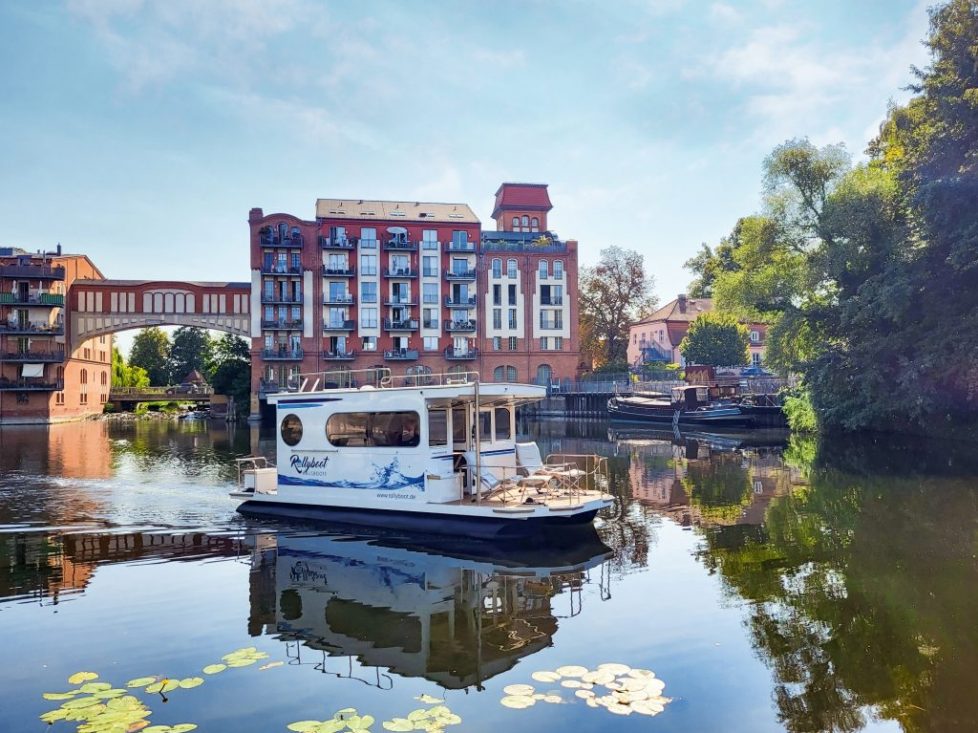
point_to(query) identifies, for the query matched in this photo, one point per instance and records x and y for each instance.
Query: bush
(109, 407)
(798, 408)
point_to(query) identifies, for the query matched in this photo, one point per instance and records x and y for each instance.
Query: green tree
(125, 375)
(716, 339)
(613, 294)
(191, 350)
(229, 370)
(151, 352)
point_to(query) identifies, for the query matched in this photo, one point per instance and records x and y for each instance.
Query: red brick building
(416, 287)
(42, 378)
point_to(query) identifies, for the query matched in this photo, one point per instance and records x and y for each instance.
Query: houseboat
(432, 453)
(689, 405)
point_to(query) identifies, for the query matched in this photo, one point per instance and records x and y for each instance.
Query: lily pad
(619, 709)
(517, 701)
(573, 684)
(519, 690)
(89, 687)
(189, 683)
(428, 699)
(58, 695)
(78, 677)
(614, 668)
(141, 682)
(583, 694)
(125, 703)
(545, 676)
(572, 670)
(345, 712)
(304, 726)
(398, 725)
(214, 668)
(642, 674)
(163, 686)
(80, 702)
(553, 699)
(183, 727)
(53, 716)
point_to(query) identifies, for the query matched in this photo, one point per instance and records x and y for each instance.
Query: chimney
(254, 215)
(59, 249)
(682, 302)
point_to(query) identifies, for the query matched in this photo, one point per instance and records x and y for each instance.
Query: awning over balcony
(32, 370)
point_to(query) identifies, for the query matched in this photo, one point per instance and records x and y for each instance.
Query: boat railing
(581, 472)
(378, 377)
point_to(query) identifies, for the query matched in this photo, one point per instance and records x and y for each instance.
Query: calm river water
(800, 587)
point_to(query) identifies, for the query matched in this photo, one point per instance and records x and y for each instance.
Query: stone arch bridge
(101, 307)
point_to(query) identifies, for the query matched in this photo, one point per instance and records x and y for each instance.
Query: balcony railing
(276, 269)
(273, 240)
(401, 355)
(402, 301)
(339, 355)
(552, 301)
(408, 324)
(346, 299)
(460, 274)
(32, 299)
(339, 271)
(429, 323)
(461, 246)
(400, 272)
(460, 326)
(30, 385)
(398, 246)
(279, 298)
(37, 356)
(338, 243)
(460, 302)
(344, 325)
(283, 354)
(551, 325)
(36, 329)
(33, 272)
(461, 354)
(282, 325)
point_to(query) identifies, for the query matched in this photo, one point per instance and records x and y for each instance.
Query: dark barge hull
(638, 414)
(419, 522)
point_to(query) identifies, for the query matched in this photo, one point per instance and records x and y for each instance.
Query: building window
(511, 269)
(525, 221)
(430, 265)
(512, 343)
(516, 223)
(497, 296)
(544, 269)
(497, 318)
(429, 239)
(368, 264)
(558, 343)
(534, 224)
(544, 375)
(460, 239)
(497, 268)
(755, 360)
(368, 292)
(558, 269)
(87, 354)
(369, 343)
(59, 398)
(543, 343)
(368, 238)
(497, 343)
(83, 398)
(368, 317)
(105, 379)
(504, 374)
(755, 336)
(430, 293)
(512, 318)
(431, 343)
(511, 292)
(84, 376)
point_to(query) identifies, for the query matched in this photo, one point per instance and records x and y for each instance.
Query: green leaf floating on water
(141, 682)
(191, 682)
(183, 727)
(163, 686)
(58, 695)
(78, 677)
(214, 668)
(53, 716)
(304, 726)
(80, 702)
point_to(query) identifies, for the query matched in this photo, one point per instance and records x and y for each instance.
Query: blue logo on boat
(385, 478)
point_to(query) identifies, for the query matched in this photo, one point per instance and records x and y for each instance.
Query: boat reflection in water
(454, 617)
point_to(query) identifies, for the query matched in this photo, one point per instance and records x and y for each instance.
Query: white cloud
(724, 13)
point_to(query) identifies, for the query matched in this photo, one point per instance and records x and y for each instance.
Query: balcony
(341, 243)
(400, 246)
(401, 355)
(409, 324)
(339, 355)
(282, 325)
(461, 246)
(35, 299)
(467, 326)
(345, 299)
(30, 385)
(280, 298)
(273, 240)
(402, 302)
(33, 272)
(282, 354)
(453, 354)
(551, 325)
(460, 274)
(401, 272)
(48, 357)
(347, 271)
(277, 269)
(32, 329)
(452, 302)
(552, 301)
(344, 325)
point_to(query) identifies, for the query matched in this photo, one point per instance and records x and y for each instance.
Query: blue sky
(142, 131)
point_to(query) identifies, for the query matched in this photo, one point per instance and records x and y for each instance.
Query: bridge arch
(100, 307)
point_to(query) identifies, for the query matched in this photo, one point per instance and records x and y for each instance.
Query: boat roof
(490, 394)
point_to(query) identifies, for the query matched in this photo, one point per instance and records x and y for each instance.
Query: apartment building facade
(44, 377)
(416, 287)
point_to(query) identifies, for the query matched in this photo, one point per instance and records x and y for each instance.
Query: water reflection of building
(415, 613)
(45, 567)
(73, 450)
(697, 481)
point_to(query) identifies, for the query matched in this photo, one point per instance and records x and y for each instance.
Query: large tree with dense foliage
(191, 350)
(151, 351)
(126, 375)
(613, 294)
(229, 369)
(716, 339)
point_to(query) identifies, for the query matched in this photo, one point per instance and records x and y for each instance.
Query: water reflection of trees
(863, 589)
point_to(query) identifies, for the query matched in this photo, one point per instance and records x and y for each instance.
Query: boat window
(458, 425)
(291, 429)
(503, 429)
(485, 426)
(437, 427)
(373, 429)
